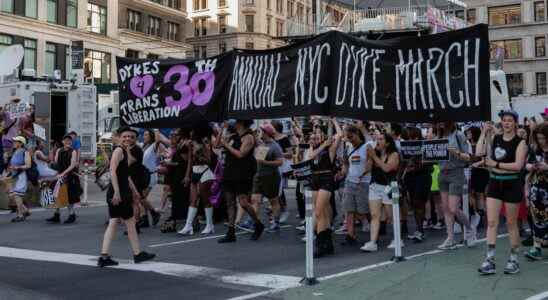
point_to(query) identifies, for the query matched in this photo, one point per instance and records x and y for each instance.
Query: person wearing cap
(240, 167)
(66, 163)
(266, 182)
(121, 195)
(505, 160)
(20, 161)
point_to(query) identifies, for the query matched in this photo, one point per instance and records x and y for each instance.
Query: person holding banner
(451, 181)
(323, 152)
(537, 194)
(240, 167)
(385, 163)
(357, 169)
(506, 161)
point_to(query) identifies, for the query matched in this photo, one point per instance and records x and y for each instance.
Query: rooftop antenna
(10, 59)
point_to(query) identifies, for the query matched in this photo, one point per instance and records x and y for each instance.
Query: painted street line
(270, 281)
(205, 238)
(541, 296)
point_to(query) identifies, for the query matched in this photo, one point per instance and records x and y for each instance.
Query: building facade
(109, 28)
(222, 25)
(520, 28)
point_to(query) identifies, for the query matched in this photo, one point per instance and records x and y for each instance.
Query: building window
(222, 3)
(52, 11)
(515, 84)
(222, 23)
(280, 7)
(153, 56)
(249, 45)
(134, 20)
(6, 6)
(279, 28)
(172, 31)
(504, 15)
(460, 14)
(97, 18)
(249, 23)
(512, 48)
(471, 16)
(540, 11)
(200, 4)
(72, 13)
(222, 47)
(176, 4)
(5, 41)
(132, 53)
(268, 4)
(540, 46)
(29, 60)
(268, 25)
(31, 8)
(200, 26)
(541, 83)
(154, 26)
(204, 51)
(196, 52)
(97, 66)
(300, 12)
(249, 2)
(289, 9)
(51, 59)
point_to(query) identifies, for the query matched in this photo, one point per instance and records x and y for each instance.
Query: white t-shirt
(357, 161)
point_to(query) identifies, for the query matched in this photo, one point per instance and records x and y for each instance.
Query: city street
(42, 261)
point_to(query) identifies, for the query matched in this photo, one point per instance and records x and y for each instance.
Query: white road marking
(270, 281)
(541, 296)
(357, 270)
(204, 238)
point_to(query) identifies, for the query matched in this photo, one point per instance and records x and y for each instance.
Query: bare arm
(41, 156)
(521, 155)
(114, 162)
(73, 164)
(391, 165)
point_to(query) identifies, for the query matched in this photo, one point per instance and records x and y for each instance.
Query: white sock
(209, 216)
(191, 215)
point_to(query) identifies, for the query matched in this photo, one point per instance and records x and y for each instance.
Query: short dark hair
(278, 126)
(127, 128)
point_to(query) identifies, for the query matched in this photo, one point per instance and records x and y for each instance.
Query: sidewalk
(446, 276)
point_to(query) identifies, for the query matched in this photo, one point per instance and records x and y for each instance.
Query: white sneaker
(393, 244)
(301, 228)
(365, 226)
(284, 216)
(456, 228)
(187, 230)
(370, 247)
(209, 229)
(448, 244)
(304, 239)
(341, 231)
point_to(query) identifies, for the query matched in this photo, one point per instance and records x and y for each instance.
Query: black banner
(172, 93)
(429, 150)
(425, 79)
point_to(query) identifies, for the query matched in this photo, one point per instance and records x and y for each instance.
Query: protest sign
(428, 150)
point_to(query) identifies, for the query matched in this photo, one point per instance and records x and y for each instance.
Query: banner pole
(309, 278)
(398, 257)
(86, 172)
(466, 201)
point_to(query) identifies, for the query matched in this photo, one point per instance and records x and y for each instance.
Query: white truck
(60, 107)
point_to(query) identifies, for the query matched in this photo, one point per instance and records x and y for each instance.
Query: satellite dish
(10, 59)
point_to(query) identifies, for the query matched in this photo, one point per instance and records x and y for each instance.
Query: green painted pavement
(444, 276)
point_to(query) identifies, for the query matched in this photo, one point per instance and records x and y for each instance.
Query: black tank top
(122, 173)
(378, 176)
(322, 162)
(239, 168)
(505, 151)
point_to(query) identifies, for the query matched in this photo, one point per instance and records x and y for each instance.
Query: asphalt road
(42, 261)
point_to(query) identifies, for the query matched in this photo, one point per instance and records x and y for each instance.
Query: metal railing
(389, 18)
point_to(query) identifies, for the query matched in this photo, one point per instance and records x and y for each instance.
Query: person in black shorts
(323, 151)
(506, 160)
(240, 167)
(479, 179)
(120, 197)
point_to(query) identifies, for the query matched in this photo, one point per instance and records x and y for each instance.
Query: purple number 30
(190, 93)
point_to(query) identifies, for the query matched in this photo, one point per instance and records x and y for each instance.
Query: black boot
(55, 219)
(320, 245)
(382, 228)
(259, 228)
(230, 236)
(144, 222)
(71, 219)
(155, 217)
(329, 249)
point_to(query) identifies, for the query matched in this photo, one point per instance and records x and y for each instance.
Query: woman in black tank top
(323, 151)
(240, 167)
(506, 160)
